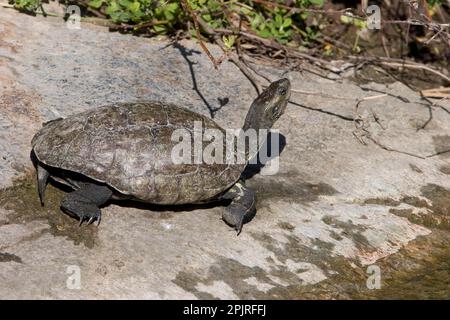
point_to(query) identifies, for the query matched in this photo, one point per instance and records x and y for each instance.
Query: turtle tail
(42, 176)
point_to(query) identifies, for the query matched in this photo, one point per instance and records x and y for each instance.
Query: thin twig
(231, 56)
(198, 21)
(321, 94)
(300, 10)
(443, 93)
(415, 66)
(249, 65)
(133, 27)
(322, 111)
(396, 62)
(97, 13)
(275, 45)
(188, 8)
(383, 42)
(361, 126)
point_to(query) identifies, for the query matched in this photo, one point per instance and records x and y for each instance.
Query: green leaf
(134, 7)
(317, 2)
(229, 41)
(27, 5)
(171, 7)
(304, 15)
(279, 20)
(287, 22)
(125, 3)
(112, 8)
(265, 33)
(256, 21)
(137, 16)
(207, 17)
(124, 17)
(281, 40)
(346, 19)
(214, 5)
(115, 16)
(96, 3)
(160, 28)
(169, 13)
(245, 11)
(360, 24)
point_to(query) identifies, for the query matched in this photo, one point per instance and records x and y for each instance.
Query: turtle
(124, 151)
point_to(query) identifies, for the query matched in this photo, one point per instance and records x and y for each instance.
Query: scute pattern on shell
(128, 146)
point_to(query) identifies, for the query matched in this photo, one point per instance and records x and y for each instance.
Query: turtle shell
(128, 146)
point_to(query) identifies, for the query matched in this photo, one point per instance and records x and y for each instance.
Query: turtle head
(268, 106)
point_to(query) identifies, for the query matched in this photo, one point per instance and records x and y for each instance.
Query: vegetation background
(416, 31)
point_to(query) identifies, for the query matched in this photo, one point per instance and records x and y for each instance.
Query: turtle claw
(234, 217)
(242, 207)
(238, 228)
(83, 204)
(83, 212)
(90, 220)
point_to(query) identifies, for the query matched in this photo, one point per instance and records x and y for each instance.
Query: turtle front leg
(84, 203)
(242, 207)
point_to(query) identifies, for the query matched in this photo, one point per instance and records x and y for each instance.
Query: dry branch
(443, 93)
(395, 62)
(188, 8)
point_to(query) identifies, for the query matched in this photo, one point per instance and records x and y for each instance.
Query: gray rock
(326, 214)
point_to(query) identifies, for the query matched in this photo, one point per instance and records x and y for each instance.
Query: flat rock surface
(335, 207)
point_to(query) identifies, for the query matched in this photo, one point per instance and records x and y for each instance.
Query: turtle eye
(282, 91)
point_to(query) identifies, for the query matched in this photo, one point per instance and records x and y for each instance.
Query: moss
(23, 202)
(382, 201)
(415, 168)
(417, 271)
(442, 145)
(304, 192)
(415, 202)
(350, 230)
(428, 220)
(286, 226)
(439, 197)
(439, 215)
(445, 169)
(7, 257)
(336, 236)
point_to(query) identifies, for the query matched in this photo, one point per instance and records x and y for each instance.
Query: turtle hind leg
(42, 177)
(84, 202)
(242, 207)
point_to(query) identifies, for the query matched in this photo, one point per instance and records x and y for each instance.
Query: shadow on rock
(272, 147)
